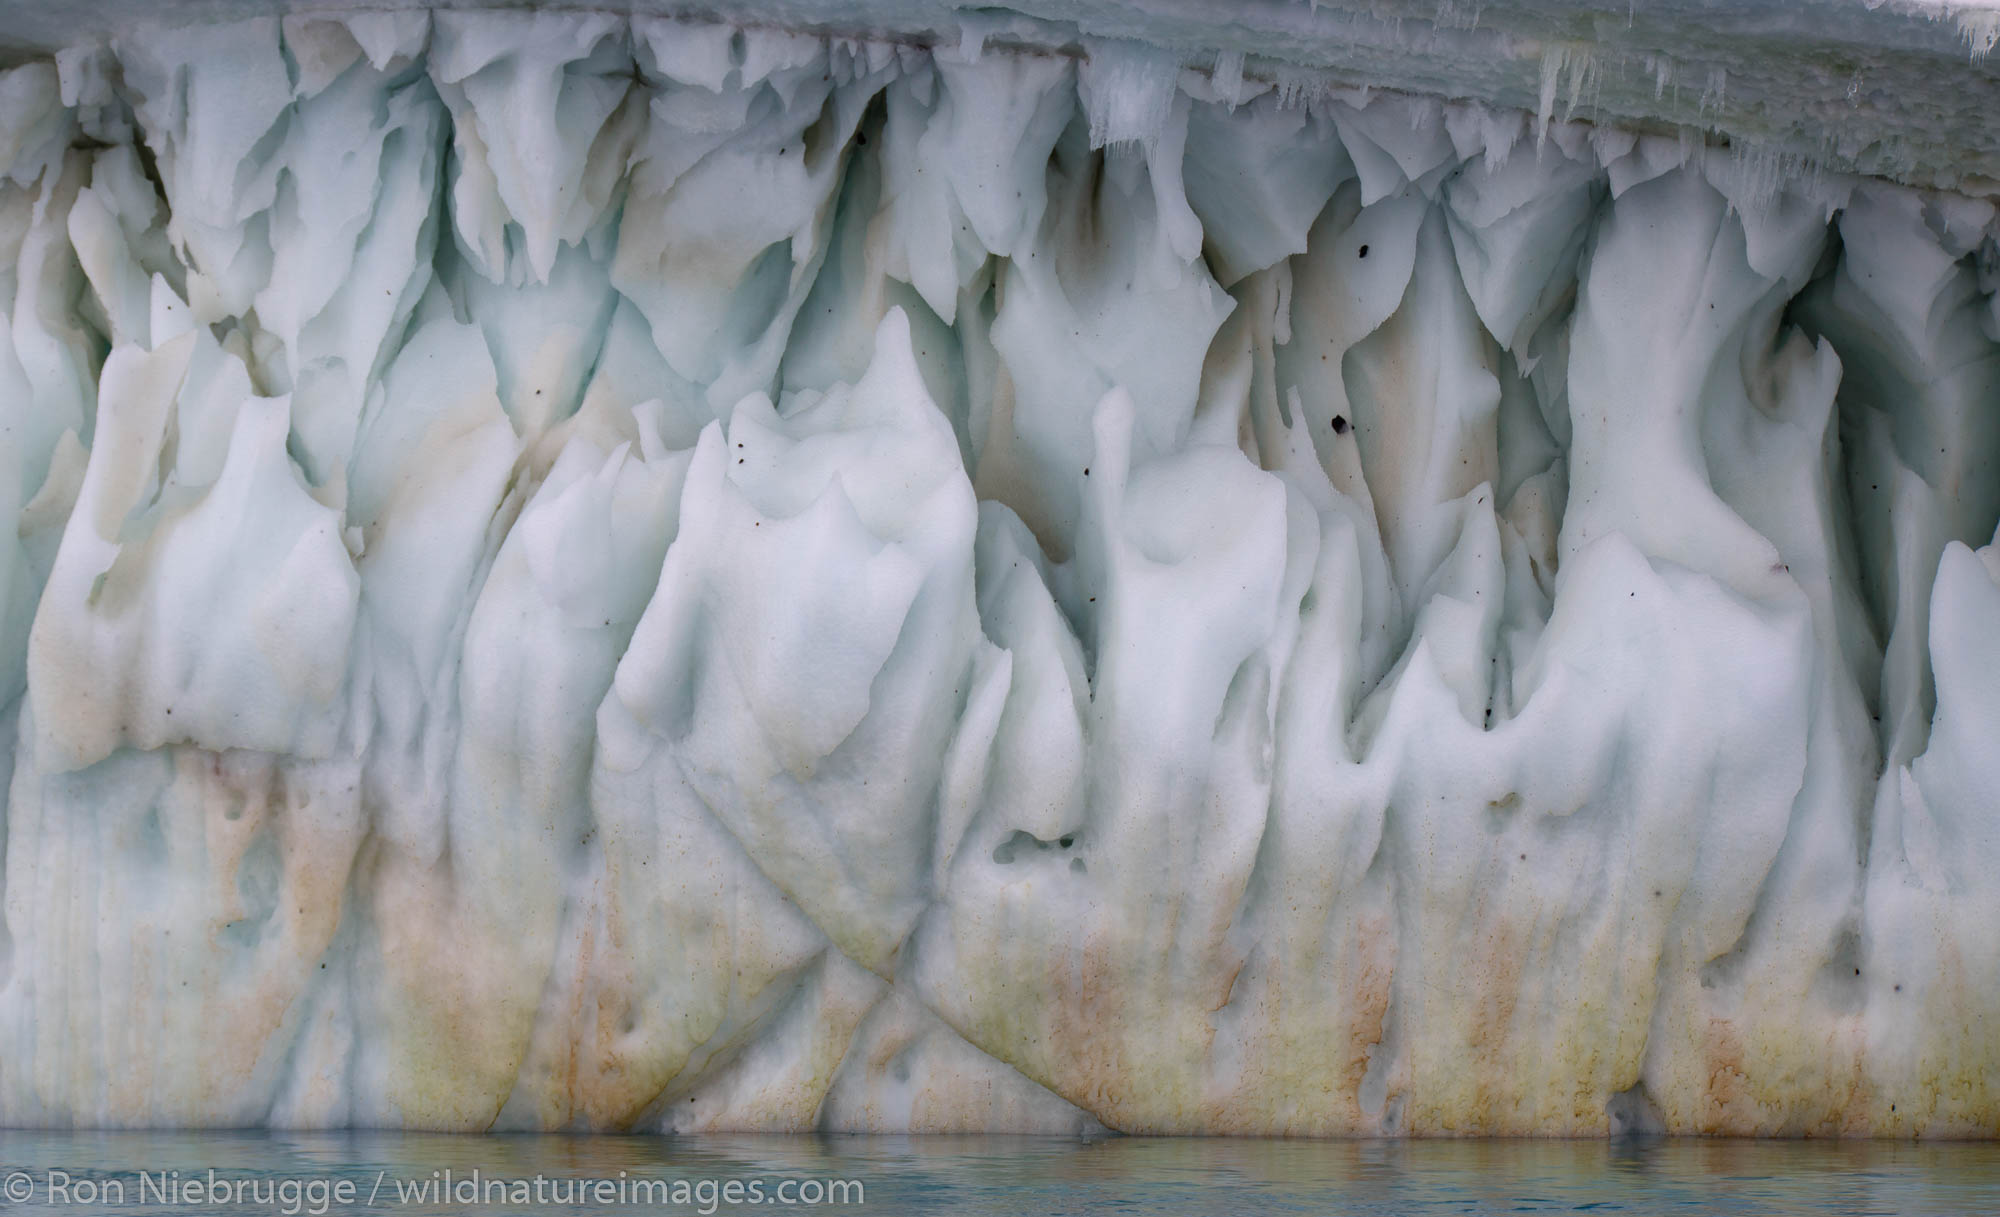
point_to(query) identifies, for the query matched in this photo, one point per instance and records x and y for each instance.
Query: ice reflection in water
(1015, 1177)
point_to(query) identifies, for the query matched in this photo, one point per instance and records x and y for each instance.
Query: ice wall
(572, 571)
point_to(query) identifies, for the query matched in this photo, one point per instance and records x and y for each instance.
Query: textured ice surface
(573, 571)
(1902, 88)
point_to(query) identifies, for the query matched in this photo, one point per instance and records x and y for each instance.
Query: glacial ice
(571, 571)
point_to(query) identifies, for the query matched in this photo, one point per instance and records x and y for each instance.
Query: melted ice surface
(581, 572)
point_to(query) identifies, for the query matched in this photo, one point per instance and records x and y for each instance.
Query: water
(387, 1173)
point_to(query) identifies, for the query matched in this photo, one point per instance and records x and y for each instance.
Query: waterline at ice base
(1137, 566)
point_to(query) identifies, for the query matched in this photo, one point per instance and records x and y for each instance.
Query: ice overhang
(1901, 89)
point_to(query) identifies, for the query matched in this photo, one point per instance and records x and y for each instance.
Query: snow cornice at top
(1901, 89)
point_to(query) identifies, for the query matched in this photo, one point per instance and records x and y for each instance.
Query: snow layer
(573, 571)
(1899, 88)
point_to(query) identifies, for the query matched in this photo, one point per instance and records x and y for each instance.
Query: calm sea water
(415, 1174)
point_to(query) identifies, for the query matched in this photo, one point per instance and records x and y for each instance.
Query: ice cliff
(569, 571)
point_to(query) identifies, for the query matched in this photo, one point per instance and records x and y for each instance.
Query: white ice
(569, 571)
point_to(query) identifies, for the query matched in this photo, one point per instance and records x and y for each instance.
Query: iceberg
(1319, 571)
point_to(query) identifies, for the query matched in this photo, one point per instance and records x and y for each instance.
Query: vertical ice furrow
(1922, 372)
(1131, 102)
(1423, 398)
(1152, 876)
(37, 124)
(161, 596)
(1100, 302)
(205, 98)
(545, 336)
(540, 647)
(745, 198)
(433, 464)
(1624, 418)
(1773, 452)
(48, 370)
(1258, 176)
(813, 697)
(1395, 142)
(1340, 295)
(661, 788)
(833, 340)
(1904, 309)
(431, 492)
(528, 94)
(114, 228)
(1040, 733)
(1518, 229)
(1319, 910)
(317, 51)
(1930, 886)
(325, 197)
(57, 353)
(47, 393)
(1576, 863)
(966, 176)
(338, 336)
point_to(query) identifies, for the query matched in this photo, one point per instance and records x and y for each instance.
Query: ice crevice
(587, 571)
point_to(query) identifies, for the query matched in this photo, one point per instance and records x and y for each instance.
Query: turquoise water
(403, 1173)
